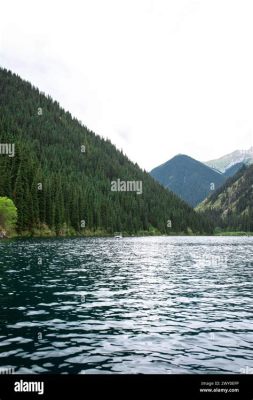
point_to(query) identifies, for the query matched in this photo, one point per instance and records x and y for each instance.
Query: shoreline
(26, 235)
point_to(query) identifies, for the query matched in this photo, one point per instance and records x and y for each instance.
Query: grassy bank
(45, 232)
(233, 234)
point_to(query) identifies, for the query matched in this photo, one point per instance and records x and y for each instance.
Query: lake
(134, 305)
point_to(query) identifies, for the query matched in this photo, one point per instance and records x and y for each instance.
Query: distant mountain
(227, 161)
(60, 177)
(190, 179)
(231, 171)
(231, 206)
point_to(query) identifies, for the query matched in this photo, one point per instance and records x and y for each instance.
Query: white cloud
(157, 77)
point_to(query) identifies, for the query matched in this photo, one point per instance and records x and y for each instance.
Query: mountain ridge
(230, 159)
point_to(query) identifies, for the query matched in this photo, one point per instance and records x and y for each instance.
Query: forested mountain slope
(231, 206)
(60, 177)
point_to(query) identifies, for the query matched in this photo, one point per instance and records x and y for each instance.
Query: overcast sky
(158, 77)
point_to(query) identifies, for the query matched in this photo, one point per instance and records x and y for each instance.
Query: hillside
(60, 178)
(231, 171)
(231, 207)
(227, 161)
(188, 178)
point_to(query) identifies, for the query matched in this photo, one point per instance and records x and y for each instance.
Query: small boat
(118, 235)
(3, 234)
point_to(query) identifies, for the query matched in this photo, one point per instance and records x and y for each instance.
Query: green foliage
(56, 185)
(8, 214)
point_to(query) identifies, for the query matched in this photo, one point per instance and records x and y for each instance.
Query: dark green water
(132, 305)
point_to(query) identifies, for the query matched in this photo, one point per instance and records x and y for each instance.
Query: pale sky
(157, 77)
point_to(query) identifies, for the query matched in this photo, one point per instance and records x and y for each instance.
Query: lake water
(131, 305)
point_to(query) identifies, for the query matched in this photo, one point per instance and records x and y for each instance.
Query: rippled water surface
(131, 305)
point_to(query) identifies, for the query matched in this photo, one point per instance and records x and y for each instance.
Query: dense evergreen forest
(230, 207)
(60, 177)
